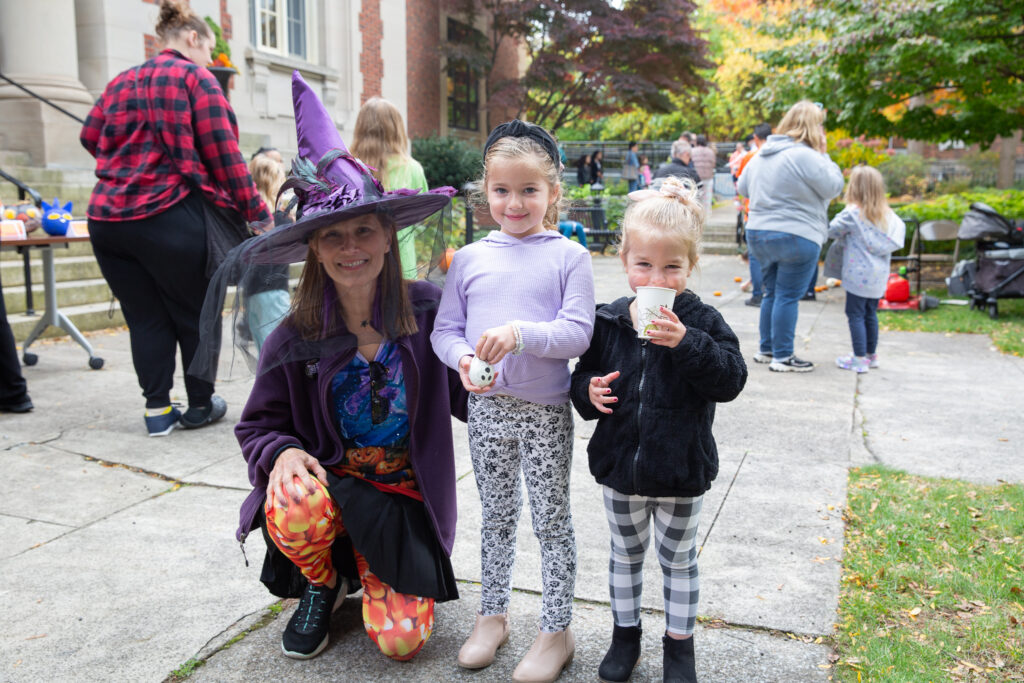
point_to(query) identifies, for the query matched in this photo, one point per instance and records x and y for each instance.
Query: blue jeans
(634, 184)
(756, 279)
(567, 228)
(862, 317)
(787, 262)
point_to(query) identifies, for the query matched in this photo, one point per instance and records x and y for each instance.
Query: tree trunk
(1007, 160)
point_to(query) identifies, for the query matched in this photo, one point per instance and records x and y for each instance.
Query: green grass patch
(186, 669)
(1007, 332)
(932, 585)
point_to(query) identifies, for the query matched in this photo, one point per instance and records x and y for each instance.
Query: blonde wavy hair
(803, 123)
(524, 149)
(380, 136)
(674, 210)
(867, 190)
(268, 175)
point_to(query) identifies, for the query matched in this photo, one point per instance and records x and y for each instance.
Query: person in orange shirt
(761, 133)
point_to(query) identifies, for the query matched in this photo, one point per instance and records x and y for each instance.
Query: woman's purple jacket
(286, 408)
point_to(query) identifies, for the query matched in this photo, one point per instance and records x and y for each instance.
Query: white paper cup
(648, 303)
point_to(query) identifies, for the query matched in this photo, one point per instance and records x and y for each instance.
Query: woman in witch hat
(347, 431)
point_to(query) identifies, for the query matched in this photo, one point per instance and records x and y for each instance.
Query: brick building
(348, 50)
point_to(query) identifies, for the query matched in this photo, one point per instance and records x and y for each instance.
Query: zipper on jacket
(639, 410)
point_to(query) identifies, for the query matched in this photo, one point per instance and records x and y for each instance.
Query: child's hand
(495, 343)
(464, 376)
(670, 331)
(600, 393)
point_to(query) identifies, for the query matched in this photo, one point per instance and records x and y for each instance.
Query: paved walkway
(120, 561)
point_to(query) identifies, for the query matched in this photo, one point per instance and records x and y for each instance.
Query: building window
(463, 84)
(282, 26)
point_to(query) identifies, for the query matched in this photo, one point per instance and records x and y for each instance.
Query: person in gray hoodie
(790, 184)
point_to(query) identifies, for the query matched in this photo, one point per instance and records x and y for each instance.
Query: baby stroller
(998, 269)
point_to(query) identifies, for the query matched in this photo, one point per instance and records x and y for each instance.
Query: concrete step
(719, 247)
(66, 269)
(71, 293)
(86, 317)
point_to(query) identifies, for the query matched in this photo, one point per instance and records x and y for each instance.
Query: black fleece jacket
(658, 441)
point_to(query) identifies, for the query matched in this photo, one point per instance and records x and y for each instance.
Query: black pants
(156, 267)
(12, 384)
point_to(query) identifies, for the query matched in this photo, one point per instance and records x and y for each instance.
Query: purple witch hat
(332, 185)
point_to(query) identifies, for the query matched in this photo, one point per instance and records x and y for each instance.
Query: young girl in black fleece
(653, 450)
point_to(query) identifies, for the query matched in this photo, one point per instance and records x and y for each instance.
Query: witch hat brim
(333, 186)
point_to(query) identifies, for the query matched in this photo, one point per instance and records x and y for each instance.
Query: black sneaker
(809, 296)
(200, 416)
(791, 364)
(20, 406)
(306, 634)
(754, 301)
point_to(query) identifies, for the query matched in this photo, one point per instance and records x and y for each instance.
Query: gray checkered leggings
(507, 435)
(675, 540)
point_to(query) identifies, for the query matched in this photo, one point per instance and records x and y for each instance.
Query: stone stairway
(82, 293)
(720, 233)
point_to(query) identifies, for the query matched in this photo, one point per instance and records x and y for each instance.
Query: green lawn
(933, 580)
(1007, 332)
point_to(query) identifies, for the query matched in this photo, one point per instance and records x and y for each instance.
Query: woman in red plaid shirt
(165, 140)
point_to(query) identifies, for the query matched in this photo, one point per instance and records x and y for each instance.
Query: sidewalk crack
(722, 505)
(860, 422)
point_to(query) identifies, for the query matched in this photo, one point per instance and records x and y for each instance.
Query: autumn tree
(921, 69)
(585, 57)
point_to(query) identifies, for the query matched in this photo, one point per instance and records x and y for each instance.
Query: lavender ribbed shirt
(545, 283)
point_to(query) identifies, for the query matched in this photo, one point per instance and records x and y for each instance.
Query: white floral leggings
(507, 434)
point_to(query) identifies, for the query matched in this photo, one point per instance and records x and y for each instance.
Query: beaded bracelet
(519, 338)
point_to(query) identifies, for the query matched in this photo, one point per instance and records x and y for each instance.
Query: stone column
(39, 50)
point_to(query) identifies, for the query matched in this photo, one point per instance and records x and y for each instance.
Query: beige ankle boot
(548, 655)
(488, 635)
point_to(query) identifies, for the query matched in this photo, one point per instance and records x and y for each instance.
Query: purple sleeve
(449, 335)
(264, 429)
(568, 335)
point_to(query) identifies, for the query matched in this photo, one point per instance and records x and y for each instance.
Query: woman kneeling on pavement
(347, 429)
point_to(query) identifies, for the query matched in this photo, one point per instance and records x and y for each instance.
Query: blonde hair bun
(673, 209)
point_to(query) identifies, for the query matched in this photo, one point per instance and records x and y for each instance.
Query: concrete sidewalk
(121, 562)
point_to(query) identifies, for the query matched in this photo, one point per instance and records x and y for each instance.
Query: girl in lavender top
(521, 299)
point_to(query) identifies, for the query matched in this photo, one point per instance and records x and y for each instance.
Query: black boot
(622, 656)
(678, 665)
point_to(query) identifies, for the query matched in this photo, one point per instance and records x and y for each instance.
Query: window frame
(466, 109)
(283, 23)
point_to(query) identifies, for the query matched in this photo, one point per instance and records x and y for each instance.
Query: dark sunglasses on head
(380, 406)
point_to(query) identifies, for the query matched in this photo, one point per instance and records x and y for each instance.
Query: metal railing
(39, 97)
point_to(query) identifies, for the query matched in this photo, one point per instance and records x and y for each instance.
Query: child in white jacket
(869, 232)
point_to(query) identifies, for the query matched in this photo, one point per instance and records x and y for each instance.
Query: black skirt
(392, 531)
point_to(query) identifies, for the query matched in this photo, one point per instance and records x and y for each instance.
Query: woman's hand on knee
(292, 464)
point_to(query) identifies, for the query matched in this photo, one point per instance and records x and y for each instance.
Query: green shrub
(1010, 203)
(448, 161)
(905, 174)
(847, 152)
(221, 45)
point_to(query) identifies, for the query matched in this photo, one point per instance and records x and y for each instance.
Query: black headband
(521, 129)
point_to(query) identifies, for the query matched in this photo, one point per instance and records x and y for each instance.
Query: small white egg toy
(480, 372)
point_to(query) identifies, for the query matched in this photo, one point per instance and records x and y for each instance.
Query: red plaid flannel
(136, 178)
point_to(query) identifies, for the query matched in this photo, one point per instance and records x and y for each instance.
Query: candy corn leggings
(399, 624)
